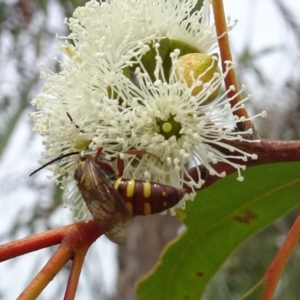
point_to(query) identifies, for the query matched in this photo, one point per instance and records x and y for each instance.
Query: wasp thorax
(169, 128)
(200, 72)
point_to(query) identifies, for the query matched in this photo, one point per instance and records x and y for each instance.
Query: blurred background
(265, 44)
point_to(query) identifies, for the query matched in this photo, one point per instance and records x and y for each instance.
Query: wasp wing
(103, 201)
(116, 234)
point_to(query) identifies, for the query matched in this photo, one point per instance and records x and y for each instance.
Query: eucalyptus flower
(124, 90)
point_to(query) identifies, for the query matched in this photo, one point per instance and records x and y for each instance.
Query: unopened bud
(200, 68)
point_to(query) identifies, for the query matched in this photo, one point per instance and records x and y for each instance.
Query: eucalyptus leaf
(217, 222)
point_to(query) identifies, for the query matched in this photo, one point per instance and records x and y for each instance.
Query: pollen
(167, 127)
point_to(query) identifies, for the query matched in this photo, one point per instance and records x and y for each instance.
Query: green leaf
(218, 221)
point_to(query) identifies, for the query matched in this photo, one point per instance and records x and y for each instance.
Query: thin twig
(225, 52)
(47, 273)
(274, 271)
(72, 284)
(75, 241)
(33, 243)
(80, 241)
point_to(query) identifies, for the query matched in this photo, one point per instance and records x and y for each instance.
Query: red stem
(75, 241)
(33, 243)
(274, 271)
(80, 240)
(47, 273)
(268, 151)
(225, 52)
(74, 275)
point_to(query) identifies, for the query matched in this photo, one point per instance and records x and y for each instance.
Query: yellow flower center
(169, 128)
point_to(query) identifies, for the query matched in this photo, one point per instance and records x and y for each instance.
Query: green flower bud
(148, 59)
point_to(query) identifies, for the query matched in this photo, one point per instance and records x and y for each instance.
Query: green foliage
(218, 221)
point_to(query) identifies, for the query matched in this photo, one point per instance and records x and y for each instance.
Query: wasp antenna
(69, 116)
(53, 160)
(71, 119)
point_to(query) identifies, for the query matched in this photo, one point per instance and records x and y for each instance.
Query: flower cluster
(123, 88)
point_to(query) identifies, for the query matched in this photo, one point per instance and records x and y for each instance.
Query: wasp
(114, 200)
(105, 204)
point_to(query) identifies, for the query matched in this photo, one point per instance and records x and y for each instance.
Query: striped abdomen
(144, 197)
